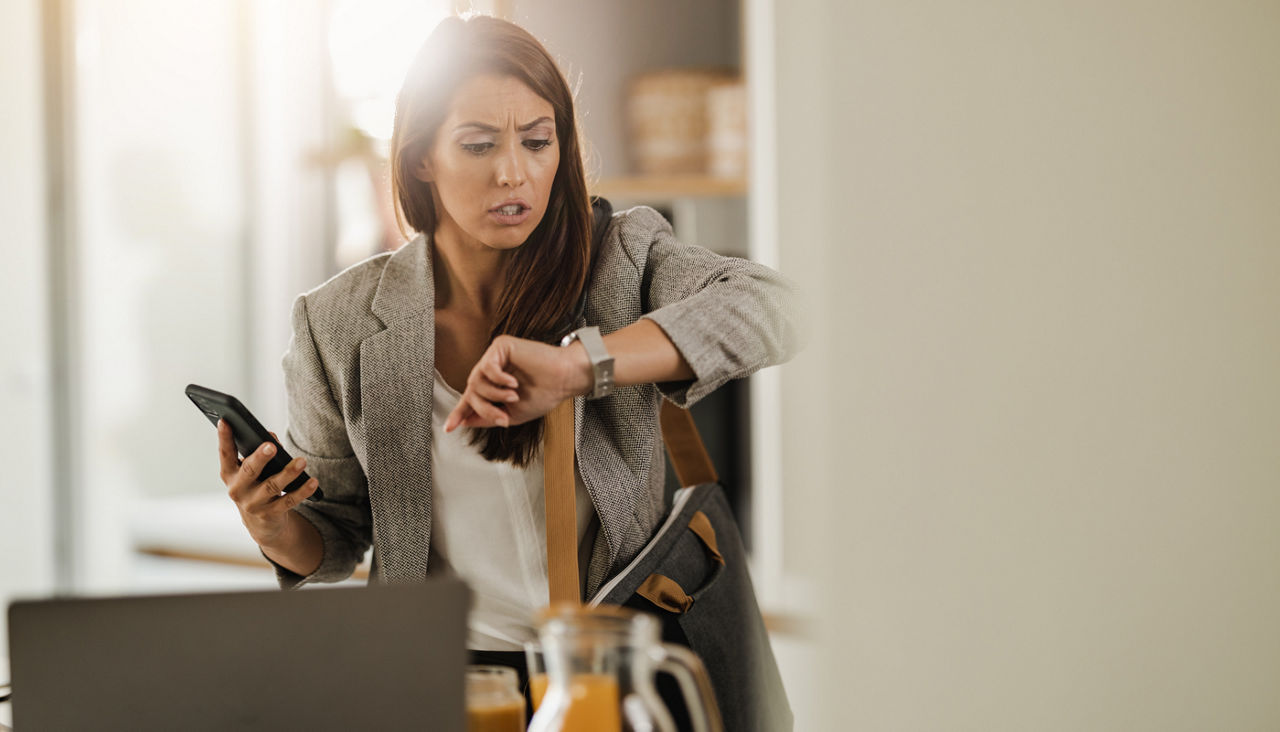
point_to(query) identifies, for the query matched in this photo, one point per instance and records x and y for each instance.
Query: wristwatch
(601, 361)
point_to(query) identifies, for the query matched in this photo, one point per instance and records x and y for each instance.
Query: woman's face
(493, 162)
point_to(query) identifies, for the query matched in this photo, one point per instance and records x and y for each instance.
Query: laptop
(366, 658)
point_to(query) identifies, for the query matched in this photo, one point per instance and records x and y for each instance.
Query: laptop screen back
(368, 658)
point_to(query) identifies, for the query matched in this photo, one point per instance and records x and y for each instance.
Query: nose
(510, 170)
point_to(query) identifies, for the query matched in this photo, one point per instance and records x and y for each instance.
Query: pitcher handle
(695, 685)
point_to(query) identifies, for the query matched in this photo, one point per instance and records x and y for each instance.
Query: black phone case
(247, 431)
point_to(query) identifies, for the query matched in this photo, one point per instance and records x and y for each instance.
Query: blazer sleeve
(729, 317)
(317, 432)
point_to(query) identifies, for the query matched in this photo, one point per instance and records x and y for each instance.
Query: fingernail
(302, 463)
(269, 449)
(513, 397)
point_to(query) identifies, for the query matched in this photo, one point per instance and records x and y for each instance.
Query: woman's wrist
(297, 547)
(288, 538)
(579, 378)
(278, 541)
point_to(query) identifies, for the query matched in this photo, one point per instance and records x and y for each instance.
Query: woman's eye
(477, 148)
(537, 144)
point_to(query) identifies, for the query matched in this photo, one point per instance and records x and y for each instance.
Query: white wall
(1049, 247)
(26, 520)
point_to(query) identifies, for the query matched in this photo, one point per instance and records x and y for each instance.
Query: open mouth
(513, 209)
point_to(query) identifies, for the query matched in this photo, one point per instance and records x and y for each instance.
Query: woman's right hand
(263, 508)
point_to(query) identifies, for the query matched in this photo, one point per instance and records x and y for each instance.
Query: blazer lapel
(396, 367)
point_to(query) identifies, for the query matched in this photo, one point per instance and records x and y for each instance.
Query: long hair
(546, 275)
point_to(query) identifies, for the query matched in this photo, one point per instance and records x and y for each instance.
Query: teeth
(511, 210)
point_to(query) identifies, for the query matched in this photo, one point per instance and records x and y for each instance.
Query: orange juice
(538, 689)
(593, 704)
(501, 717)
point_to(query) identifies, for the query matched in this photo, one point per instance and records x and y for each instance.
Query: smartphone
(247, 431)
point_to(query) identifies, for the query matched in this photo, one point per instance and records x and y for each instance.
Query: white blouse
(488, 527)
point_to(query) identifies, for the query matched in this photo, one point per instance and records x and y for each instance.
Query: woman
(417, 380)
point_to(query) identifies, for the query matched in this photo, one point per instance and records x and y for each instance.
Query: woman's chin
(508, 237)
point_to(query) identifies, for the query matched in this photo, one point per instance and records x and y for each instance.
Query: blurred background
(1026, 474)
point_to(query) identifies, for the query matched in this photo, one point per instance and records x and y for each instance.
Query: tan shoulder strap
(688, 457)
(684, 445)
(562, 511)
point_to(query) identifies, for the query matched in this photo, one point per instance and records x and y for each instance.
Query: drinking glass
(494, 701)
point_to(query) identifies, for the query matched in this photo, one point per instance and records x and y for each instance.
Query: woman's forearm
(643, 354)
(300, 549)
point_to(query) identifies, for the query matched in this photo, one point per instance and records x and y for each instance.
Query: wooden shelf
(226, 559)
(669, 186)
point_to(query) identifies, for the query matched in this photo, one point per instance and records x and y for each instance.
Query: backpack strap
(688, 457)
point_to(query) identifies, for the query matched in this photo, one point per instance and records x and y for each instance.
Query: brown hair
(546, 275)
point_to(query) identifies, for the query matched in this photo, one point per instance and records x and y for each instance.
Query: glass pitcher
(600, 668)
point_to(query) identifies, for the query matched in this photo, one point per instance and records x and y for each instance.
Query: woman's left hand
(518, 380)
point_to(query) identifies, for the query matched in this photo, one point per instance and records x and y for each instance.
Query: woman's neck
(468, 275)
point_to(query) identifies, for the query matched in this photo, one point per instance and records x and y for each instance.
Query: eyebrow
(491, 128)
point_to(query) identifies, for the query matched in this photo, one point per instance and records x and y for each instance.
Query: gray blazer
(359, 376)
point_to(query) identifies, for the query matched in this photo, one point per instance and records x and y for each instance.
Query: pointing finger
(459, 415)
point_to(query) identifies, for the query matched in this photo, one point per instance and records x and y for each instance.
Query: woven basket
(727, 130)
(668, 122)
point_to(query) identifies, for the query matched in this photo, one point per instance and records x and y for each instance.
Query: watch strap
(601, 361)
